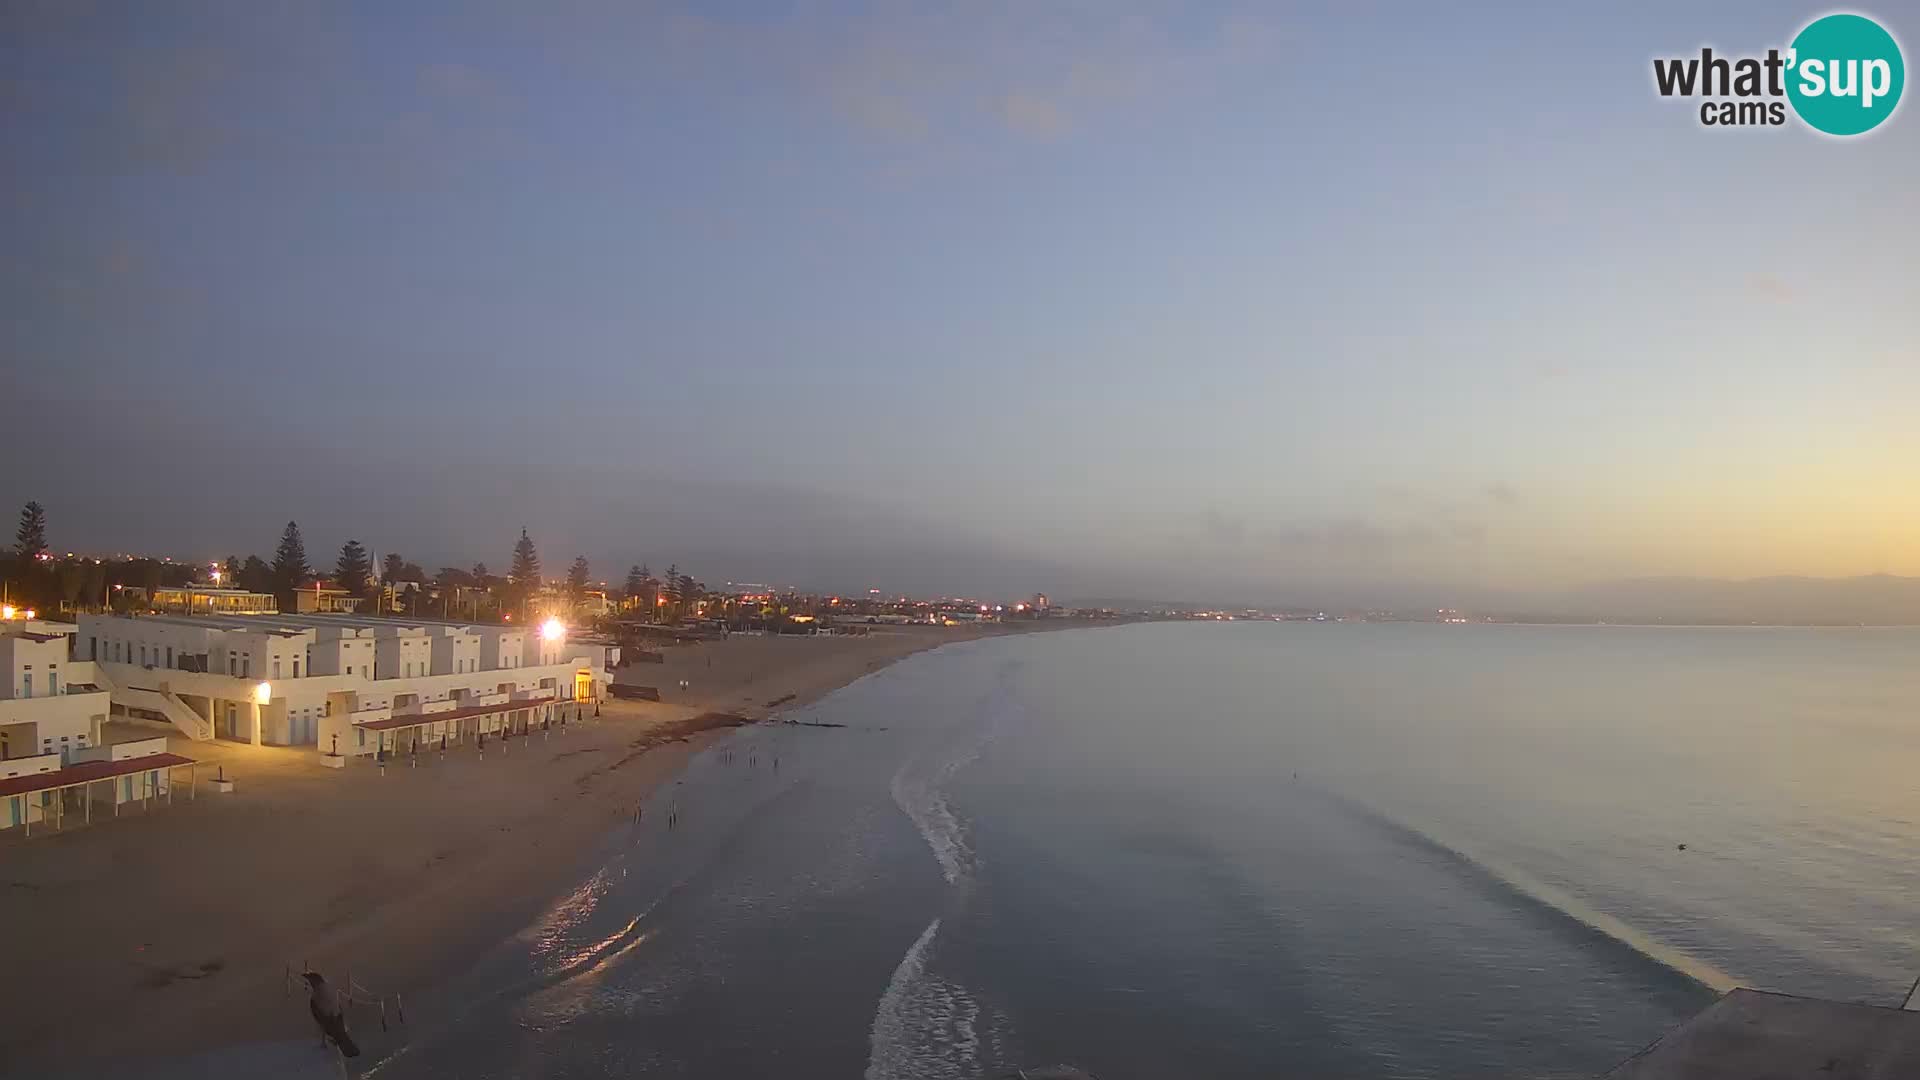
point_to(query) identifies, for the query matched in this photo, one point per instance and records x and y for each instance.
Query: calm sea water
(1241, 850)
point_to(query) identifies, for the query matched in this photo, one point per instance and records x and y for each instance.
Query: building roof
(87, 772)
(292, 623)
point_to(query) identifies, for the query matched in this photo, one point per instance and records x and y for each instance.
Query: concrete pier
(1753, 1035)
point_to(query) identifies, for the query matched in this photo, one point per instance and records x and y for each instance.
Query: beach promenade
(169, 933)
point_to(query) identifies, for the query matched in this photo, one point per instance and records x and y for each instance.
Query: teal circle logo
(1845, 74)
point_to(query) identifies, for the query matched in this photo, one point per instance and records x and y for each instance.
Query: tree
(392, 568)
(673, 583)
(255, 575)
(481, 579)
(73, 580)
(526, 564)
(231, 576)
(412, 572)
(452, 577)
(636, 583)
(577, 577)
(353, 572)
(688, 590)
(30, 540)
(95, 589)
(290, 569)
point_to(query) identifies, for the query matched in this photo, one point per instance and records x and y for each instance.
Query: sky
(1102, 299)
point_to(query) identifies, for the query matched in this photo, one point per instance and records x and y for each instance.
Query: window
(169, 656)
(246, 664)
(53, 683)
(296, 667)
(276, 667)
(27, 683)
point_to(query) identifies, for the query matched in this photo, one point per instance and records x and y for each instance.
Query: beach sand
(167, 931)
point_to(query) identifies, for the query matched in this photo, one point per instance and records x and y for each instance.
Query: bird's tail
(348, 1048)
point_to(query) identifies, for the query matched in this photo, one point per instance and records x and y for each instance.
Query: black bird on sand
(326, 1013)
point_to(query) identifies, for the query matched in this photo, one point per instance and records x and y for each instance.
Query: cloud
(1032, 115)
(1227, 530)
(1770, 288)
(455, 81)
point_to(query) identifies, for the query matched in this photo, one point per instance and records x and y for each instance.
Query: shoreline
(167, 935)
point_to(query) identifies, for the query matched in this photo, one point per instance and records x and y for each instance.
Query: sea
(1238, 849)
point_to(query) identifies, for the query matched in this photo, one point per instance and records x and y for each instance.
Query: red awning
(422, 719)
(87, 772)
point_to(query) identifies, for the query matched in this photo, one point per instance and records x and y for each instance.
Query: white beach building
(50, 703)
(305, 679)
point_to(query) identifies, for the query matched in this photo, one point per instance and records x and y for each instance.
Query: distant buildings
(206, 600)
(321, 598)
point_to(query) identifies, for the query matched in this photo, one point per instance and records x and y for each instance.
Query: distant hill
(1874, 600)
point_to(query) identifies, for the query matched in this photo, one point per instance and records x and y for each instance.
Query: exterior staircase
(163, 702)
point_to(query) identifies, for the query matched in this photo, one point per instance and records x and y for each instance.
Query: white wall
(456, 652)
(501, 648)
(27, 663)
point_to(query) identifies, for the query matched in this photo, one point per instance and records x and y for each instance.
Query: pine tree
(577, 575)
(30, 540)
(255, 575)
(353, 571)
(391, 568)
(290, 569)
(480, 576)
(673, 583)
(636, 582)
(231, 574)
(526, 564)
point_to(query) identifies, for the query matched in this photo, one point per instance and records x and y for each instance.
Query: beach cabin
(139, 786)
(24, 807)
(35, 790)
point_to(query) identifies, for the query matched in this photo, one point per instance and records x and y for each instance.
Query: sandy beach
(167, 931)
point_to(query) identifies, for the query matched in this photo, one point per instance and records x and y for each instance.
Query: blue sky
(1104, 298)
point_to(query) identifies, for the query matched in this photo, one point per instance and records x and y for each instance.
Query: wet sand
(167, 931)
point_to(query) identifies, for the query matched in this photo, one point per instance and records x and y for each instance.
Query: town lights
(6, 611)
(553, 629)
(263, 693)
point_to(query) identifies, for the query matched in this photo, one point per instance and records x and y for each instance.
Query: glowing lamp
(263, 693)
(6, 612)
(553, 630)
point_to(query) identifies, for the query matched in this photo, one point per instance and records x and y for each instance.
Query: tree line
(36, 578)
